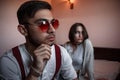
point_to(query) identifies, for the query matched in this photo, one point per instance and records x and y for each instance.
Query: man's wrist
(35, 72)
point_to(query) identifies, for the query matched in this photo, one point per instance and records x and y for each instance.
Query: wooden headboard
(111, 54)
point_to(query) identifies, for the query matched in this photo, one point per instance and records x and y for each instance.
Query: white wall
(101, 18)
(9, 36)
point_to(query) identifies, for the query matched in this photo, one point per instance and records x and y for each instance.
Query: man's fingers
(43, 48)
(45, 55)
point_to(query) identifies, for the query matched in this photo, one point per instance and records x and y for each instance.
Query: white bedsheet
(106, 69)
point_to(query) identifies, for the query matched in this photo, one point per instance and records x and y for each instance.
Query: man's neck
(30, 48)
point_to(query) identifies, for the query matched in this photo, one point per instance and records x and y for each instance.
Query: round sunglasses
(44, 24)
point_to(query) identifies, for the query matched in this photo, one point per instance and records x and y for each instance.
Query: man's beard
(33, 42)
(36, 43)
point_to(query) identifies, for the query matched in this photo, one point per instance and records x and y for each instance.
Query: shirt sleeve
(90, 59)
(67, 70)
(8, 69)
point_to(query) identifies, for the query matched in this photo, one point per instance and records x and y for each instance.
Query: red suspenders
(58, 60)
(18, 57)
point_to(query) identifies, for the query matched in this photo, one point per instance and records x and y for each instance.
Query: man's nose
(51, 29)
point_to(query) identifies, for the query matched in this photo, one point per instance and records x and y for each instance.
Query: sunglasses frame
(44, 24)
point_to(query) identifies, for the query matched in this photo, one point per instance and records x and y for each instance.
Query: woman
(81, 51)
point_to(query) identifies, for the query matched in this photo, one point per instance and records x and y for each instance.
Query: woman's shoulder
(67, 43)
(88, 42)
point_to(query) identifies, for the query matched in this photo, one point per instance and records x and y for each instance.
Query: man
(38, 58)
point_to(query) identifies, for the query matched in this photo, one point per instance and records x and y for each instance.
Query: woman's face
(78, 37)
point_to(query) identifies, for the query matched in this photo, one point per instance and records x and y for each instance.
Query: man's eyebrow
(41, 19)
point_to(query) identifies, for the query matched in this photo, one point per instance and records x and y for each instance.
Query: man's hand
(41, 55)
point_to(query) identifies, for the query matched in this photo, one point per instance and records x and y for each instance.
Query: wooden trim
(111, 54)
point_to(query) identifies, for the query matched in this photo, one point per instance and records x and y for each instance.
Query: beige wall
(101, 18)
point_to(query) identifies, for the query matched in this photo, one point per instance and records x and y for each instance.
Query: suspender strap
(18, 57)
(58, 60)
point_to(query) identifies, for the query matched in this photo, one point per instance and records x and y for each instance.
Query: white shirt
(76, 55)
(9, 68)
(88, 59)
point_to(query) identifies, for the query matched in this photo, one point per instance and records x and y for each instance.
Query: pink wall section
(101, 18)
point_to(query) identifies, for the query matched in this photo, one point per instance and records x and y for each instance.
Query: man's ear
(22, 29)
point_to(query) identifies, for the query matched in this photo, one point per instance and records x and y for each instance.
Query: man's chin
(51, 44)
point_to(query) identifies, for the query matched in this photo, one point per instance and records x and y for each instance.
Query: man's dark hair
(73, 31)
(28, 9)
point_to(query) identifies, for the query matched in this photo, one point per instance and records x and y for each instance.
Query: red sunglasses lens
(55, 23)
(44, 26)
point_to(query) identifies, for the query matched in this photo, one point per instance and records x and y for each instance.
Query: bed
(106, 63)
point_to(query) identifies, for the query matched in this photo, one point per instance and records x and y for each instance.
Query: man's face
(38, 36)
